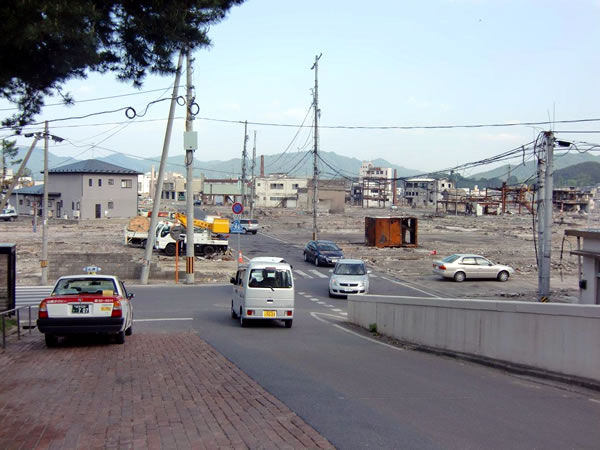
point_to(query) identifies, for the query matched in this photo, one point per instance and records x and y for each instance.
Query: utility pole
(244, 157)
(161, 174)
(253, 179)
(544, 214)
(317, 112)
(44, 261)
(190, 144)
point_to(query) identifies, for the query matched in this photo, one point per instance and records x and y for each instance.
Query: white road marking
(163, 319)
(321, 303)
(304, 274)
(372, 276)
(319, 274)
(314, 299)
(344, 314)
(274, 238)
(410, 287)
(301, 293)
(337, 310)
(316, 314)
(329, 306)
(593, 400)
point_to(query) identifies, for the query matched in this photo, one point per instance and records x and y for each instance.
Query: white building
(377, 185)
(425, 192)
(278, 191)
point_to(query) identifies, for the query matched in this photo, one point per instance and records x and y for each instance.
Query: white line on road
(314, 299)
(163, 319)
(274, 238)
(337, 310)
(321, 303)
(319, 274)
(301, 293)
(411, 287)
(302, 273)
(316, 314)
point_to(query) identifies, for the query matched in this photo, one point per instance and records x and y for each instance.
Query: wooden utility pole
(317, 112)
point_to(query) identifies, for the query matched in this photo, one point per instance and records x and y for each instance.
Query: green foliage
(373, 327)
(44, 44)
(579, 175)
(8, 153)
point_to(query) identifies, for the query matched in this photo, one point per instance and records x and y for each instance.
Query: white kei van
(263, 289)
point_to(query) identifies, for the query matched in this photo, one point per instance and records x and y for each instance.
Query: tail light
(117, 310)
(442, 267)
(288, 313)
(43, 310)
(250, 312)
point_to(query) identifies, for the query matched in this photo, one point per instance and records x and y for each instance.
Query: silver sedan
(462, 266)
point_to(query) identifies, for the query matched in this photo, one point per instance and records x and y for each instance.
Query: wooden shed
(391, 231)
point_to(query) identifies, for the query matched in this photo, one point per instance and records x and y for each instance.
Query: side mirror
(330, 270)
(369, 271)
(130, 295)
(232, 280)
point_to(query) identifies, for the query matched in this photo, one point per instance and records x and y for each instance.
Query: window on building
(77, 206)
(28, 202)
(111, 181)
(90, 183)
(295, 186)
(111, 205)
(21, 201)
(99, 182)
(276, 186)
(258, 184)
(126, 184)
(72, 205)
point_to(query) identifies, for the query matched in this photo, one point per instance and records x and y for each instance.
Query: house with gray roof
(93, 189)
(29, 199)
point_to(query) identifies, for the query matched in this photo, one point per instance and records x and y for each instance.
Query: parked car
(249, 226)
(9, 214)
(86, 304)
(322, 253)
(350, 276)
(466, 266)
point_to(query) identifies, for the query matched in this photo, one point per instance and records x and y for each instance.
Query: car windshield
(76, 286)
(350, 269)
(451, 258)
(329, 247)
(270, 278)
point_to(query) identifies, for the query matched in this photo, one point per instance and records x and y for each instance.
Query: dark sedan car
(322, 253)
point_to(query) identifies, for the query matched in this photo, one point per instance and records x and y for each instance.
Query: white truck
(205, 242)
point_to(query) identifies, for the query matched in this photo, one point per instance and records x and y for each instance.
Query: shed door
(98, 211)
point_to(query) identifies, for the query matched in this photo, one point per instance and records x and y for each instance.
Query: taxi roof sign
(91, 270)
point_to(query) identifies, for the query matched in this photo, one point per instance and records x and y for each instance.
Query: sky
(383, 64)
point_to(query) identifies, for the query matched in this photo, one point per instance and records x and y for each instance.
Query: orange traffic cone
(240, 259)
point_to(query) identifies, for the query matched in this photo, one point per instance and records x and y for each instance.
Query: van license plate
(269, 313)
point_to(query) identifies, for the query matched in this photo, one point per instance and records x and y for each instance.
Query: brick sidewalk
(167, 391)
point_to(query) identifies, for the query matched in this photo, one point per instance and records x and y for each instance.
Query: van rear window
(270, 278)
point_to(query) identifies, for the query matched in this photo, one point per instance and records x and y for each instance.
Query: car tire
(305, 257)
(120, 338)
(254, 232)
(244, 231)
(459, 277)
(316, 261)
(170, 249)
(288, 323)
(209, 250)
(503, 276)
(51, 340)
(233, 314)
(129, 331)
(331, 295)
(243, 322)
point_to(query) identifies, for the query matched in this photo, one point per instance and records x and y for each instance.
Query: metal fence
(15, 311)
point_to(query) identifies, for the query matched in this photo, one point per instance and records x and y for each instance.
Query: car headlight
(334, 282)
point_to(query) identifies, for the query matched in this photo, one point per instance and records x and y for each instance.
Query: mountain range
(331, 165)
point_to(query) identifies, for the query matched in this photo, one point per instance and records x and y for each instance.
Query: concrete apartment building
(278, 191)
(426, 192)
(375, 186)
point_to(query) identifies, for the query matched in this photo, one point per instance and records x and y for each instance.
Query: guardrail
(16, 310)
(31, 295)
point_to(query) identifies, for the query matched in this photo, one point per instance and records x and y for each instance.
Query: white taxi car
(86, 304)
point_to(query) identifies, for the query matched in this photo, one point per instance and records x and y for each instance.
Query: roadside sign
(237, 208)
(236, 227)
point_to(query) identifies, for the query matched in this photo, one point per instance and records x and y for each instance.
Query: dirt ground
(506, 239)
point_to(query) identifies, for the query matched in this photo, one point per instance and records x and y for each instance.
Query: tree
(43, 44)
(9, 152)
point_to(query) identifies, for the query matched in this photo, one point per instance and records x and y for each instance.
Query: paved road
(359, 393)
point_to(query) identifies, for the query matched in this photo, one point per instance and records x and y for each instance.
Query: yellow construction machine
(216, 225)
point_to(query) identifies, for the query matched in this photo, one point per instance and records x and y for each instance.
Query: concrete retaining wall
(559, 338)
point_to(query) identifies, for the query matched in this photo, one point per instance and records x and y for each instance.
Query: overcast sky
(388, 63)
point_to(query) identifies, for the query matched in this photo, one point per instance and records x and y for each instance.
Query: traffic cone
(240, 259)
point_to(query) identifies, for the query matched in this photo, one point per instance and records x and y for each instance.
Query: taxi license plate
(269, 313)
(80, 309)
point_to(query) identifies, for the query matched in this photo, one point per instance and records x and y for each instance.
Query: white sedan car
(467, 266)
(86, 304)
(350, 276)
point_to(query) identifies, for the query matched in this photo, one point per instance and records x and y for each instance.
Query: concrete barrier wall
(554, 337)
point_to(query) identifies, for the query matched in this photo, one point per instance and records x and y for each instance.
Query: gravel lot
(505, 239)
